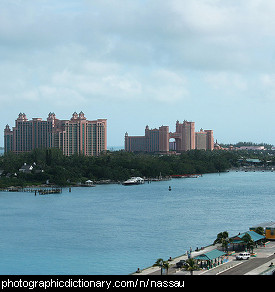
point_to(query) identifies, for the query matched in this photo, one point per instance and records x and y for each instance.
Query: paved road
(255, 265)
(248, 265)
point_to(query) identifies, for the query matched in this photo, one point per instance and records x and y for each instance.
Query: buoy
(170, 188)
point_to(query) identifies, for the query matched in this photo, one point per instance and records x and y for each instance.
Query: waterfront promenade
(254, 266)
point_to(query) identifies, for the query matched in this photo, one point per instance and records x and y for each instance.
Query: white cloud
(166, 86)
(72, 53)
(109, 81)
(226, 81)
(267, 86)
(59, 97)
(268, 80)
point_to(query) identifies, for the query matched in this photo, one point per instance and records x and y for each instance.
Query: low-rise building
(26, 168)
(269, 229)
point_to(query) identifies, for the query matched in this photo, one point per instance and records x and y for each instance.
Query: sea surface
(114, 229)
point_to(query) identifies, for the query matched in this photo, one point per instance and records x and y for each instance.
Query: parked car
(243, 256)
(180, 264)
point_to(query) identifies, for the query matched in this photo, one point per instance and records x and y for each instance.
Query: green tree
(221, 236)
(166, 266)
(117, 166)
(249, 242)
(159, 263)
(225, 243)
(260, 230)
(49, 157)
(191, 265)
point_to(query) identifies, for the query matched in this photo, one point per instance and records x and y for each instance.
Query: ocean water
(114, 229)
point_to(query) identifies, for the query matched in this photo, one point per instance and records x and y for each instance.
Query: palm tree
(225, 242)
(159, 263)
(221, 236)
(166, 265)
(260, 230)
(190, 265)
(248, 241)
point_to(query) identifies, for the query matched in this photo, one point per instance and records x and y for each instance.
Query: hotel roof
(208, 256)
(254, 235)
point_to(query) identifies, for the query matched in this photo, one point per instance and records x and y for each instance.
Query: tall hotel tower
(185, 136)
(157, 140)
(77, 135)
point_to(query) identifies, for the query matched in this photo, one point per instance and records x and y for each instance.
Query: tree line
(52, 165)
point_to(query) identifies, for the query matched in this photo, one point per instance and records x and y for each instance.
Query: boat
(133, 181)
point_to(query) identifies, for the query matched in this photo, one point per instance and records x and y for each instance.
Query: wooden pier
(40, 191)
(50, 191)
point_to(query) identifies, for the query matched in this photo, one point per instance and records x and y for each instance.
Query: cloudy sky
(139, 62)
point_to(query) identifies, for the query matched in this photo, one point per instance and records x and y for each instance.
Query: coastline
(38, 166)
(96, 182)
(147, 180)
(264, 257)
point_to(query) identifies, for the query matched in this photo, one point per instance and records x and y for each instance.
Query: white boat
(133, 181)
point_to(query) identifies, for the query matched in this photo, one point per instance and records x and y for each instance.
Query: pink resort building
(204, 140)
(154, 140)
(77, 135)
(157, 140)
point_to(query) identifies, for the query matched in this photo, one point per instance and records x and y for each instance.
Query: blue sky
(142, 62)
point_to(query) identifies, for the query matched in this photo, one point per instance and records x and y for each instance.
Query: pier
(40, 191)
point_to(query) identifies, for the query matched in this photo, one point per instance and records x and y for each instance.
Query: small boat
(133, 181)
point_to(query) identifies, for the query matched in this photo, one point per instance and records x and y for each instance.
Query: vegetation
(249, 242)
(190, 265)
(62, 170)
(166, 266)
(162, 264)
(223, 238)
(260, 230)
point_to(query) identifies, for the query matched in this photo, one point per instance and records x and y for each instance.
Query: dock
(40, 191)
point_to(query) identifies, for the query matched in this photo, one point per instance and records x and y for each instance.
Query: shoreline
(265, 255)
(147, 180)
(98, 182)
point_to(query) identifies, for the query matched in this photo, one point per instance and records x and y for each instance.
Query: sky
(142, 62)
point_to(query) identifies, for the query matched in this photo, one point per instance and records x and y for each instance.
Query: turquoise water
(114, 229)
